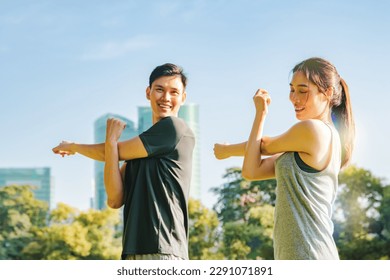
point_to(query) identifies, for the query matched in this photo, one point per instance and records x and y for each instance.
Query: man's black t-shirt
(156, 191)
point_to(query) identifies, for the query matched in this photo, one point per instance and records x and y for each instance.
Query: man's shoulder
(175, 120)
(178, 124)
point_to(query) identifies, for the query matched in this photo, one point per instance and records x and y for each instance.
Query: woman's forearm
(223, 151)
(252, 158)
(237, 150)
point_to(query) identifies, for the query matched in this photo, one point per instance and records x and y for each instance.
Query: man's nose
(166, 96)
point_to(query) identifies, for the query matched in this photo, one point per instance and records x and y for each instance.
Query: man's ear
(148, 93)
(183, 97)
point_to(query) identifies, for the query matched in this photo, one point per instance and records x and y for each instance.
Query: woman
(305, 160)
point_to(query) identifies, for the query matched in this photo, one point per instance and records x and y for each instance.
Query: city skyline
(64, 64)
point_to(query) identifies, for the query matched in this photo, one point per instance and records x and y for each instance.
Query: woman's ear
(329, 93)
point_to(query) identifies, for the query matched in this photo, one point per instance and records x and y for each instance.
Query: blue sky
(65, 63)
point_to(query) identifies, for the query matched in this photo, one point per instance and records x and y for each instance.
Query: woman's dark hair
(167, 69)
(324, 74)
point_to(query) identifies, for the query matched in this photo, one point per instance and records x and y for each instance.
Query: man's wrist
(73, 148)
(111, 144)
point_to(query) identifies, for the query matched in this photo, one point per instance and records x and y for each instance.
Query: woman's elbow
(247, 174)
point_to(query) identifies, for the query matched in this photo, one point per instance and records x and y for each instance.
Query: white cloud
(111, 50)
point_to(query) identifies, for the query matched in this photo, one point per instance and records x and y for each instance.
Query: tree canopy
(239, 226)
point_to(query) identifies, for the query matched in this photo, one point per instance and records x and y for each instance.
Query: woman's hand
(221, 151)
(262, 100)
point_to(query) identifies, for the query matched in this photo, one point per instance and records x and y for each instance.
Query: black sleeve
(161, 138)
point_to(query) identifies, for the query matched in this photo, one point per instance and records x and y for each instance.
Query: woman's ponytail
(345, 124)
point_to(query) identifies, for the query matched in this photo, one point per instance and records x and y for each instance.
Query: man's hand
(65, 148)
(114, 129)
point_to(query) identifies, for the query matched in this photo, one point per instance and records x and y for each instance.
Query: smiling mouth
(165, 106)
(299, 109)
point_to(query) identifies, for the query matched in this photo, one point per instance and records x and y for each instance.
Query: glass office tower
(40, 178)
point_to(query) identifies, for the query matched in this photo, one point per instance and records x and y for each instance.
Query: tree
(246, 212)
(203, 232)
(361, 215)
(237, 196)
(20, 213)
(74, 235)
(30, 231)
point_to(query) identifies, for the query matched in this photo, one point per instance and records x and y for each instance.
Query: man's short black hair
(167, 69)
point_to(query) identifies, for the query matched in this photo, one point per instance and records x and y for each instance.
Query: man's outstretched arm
(129, 149)
(93, 151)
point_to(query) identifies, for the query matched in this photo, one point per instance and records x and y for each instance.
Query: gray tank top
(303, 227)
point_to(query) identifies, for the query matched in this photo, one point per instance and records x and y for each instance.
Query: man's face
(166, 95)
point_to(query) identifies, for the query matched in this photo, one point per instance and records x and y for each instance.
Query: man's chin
(167, 114)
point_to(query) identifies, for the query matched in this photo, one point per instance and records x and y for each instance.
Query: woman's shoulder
(311, 125)
(313, 129)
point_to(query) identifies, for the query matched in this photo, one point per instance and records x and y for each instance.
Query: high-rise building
(190, 114)
(39, 178)
(100, 125)
(144, 118)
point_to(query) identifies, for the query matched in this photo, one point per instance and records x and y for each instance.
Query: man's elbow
(114, 204)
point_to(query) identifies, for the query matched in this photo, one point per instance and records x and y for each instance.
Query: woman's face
(308, 101)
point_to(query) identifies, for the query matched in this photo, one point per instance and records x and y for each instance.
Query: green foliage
(239, 227)
(361, 216)
(237, 196)
(246, 212)
(20, 213)
(30, 231)
(203, 232)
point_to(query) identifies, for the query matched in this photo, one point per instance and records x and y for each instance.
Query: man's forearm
(93, 151)
(112, 176)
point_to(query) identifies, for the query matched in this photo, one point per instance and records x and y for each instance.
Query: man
(153, 184)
